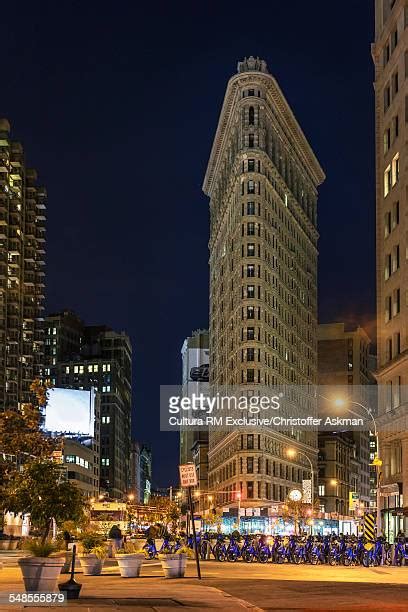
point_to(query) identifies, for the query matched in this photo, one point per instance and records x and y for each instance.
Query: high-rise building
(344, 457)
(80, 357)
(262, 180)
(390, 55)
(22, 275)
(195, 379)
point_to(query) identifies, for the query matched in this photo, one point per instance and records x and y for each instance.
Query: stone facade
(262, 180)
(390, 55)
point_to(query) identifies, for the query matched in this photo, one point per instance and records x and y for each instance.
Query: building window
(387, 224)
(388, 307)
(387, 180)
(395, 169)
(250, 490)
(250, 208)
(251, 376)
(251, 228)
(105, 461)
(250, 333)
(251, 165)
(250, 354)
(396, 302)
(395, 127)
(322, 490)
(387, 267)
(250, 291)
(105, 420)
(66, 369)
(250, 249)
(395, 86)
(250, 141)
(250, 270)
(250, 312)
(251, 187)
(251, 115)
(386, 54)
(250, 465)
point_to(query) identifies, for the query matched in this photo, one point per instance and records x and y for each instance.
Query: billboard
(198, 365)
(70, 412)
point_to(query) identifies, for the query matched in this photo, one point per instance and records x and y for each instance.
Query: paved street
(240, 586)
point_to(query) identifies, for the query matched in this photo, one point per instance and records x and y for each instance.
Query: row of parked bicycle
(332, 550)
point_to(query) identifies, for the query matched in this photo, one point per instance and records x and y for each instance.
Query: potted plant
(41, 569)
(138, 542)
(8, 542)
(174, 564)
(40, 491)
(93, 554)
(129, 560)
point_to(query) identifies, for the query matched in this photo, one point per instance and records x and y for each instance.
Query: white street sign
(188, 475)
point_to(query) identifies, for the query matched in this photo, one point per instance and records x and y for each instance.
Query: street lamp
(341, 403)
(291, 453)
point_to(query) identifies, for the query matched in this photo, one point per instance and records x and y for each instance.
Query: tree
(40, 491)
(22, 439)
(300, 512)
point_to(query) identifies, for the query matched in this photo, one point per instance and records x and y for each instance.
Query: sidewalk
(149, 592)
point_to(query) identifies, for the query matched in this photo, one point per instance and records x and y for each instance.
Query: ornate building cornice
(261, 76)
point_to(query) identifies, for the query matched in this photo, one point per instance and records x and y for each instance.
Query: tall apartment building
(262, 180)
(344, 457)
(80, 357)
(390, 55)
(22, 275)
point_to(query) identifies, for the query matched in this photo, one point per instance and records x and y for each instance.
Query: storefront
(392, 513)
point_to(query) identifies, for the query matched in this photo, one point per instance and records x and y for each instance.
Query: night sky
(117, 104)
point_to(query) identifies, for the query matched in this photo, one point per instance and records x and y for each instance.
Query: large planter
(91, 564)
(130, 564)
(174, 566)
(40, 574)
(138, 545)
(8, 544)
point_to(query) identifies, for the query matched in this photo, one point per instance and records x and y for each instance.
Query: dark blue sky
(117, 104)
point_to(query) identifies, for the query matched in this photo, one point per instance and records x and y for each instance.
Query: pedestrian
(116, 535)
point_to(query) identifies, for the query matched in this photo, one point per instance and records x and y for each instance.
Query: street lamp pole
(295, 452)
(377, 455)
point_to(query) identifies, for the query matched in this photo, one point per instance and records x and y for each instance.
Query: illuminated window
(251, 249)
(387, 180)
(322, 492)
(66, 369)
(105, 461)
(395, 169)
(106, 420)
(76, 369)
